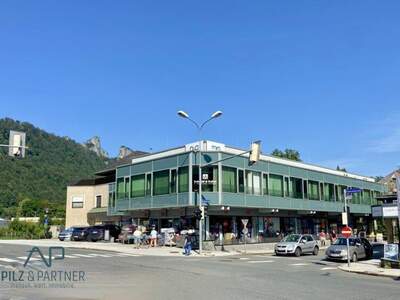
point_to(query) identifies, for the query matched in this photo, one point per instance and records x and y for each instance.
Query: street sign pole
(200, 201)
(398, 211)
(347, 240)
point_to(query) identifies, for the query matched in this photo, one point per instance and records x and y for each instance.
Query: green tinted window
(120, 188)
(229, 180)
(276, 185)
(138, 186)
(183, 179)
(161, 182)
(313, 190)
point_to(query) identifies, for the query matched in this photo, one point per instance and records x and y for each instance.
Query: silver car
(338, 250)
(297, 244)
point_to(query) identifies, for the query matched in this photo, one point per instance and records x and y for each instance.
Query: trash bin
(107, 235)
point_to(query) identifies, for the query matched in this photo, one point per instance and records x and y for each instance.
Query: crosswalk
(14, 262)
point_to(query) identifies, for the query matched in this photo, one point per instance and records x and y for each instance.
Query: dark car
(368, 248)
(126, 235)
(97, 232)
(79, 233)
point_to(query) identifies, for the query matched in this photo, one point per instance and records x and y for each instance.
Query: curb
(345, 269)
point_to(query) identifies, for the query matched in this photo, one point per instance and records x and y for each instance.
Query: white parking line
(260, 261)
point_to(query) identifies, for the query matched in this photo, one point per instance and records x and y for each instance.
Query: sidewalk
(371, 267)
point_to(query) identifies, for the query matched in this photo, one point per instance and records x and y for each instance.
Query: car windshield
(292, 238)
(343, 242)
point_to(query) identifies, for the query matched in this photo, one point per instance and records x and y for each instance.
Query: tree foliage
(287, 153)
(338, 168)
(50, 164)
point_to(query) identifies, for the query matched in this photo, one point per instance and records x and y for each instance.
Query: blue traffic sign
(350, 191)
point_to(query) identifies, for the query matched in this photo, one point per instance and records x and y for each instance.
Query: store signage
(377, 211)
(390, 211)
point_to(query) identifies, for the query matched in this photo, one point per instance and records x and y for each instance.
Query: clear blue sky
(322, 77)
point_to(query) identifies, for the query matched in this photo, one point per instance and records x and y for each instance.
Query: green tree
(338, 168)
(288, 154)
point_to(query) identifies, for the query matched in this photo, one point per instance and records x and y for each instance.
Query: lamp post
(185, 115)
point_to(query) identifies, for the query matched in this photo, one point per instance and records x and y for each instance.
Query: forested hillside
(50, 163)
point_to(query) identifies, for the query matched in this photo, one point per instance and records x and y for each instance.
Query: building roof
(120, 162)
(210, 146)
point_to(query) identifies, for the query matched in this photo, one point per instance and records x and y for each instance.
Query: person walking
(333, 236)
(137, 237)
(188, 244)
(153, 237)
(322, 237)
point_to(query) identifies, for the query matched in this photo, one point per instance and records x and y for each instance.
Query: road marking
(243, 258)
(260, 261)
(125, 254)
(328, 268)
(70, 256)
(8, 260)
(31, 259)
(299, 264)
(99, 255)
(83, 255)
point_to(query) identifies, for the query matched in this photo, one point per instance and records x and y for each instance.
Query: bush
(23, 230)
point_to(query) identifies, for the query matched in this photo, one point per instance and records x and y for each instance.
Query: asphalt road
(110, 275)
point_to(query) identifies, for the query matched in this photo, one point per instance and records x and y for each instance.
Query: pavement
(112, 275)
(371, 267)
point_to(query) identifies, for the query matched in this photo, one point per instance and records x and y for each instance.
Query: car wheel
(276, 254)
(62, 240)
(354, 257)
(315, 251)
(297, 252)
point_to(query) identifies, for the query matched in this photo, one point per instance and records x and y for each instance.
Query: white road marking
(8, 260)
(243, 258)
(260, 261)
(99, 255)
(328, 268)
(125, 254)
(299, 264)
(31, 259)
(83, 255)
(70, 256)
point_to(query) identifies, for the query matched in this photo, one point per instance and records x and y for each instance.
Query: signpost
(398, 210)
(346, 231)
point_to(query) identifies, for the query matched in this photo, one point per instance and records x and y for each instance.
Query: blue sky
(321, 77)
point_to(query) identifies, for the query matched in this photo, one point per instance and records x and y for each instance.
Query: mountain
(51, 162)
(94, 145)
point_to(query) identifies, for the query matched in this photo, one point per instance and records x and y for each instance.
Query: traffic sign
(353, 190)
(346, 232)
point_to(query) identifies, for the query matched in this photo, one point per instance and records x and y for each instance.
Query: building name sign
(389, 211)
(205, 146)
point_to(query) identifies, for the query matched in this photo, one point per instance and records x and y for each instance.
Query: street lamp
(185, 115)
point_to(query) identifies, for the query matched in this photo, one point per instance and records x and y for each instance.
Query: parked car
(97, 232)
(66, 234)
(79, 233)
(369, 249)
(126, 235)
(338, 251)
(297, 244)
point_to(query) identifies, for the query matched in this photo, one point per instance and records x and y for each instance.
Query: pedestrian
(188, 243)
(333, 236)
(153, 237)
(322, 237)
(137, 237)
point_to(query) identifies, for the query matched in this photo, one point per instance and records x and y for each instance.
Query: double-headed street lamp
(199, 127)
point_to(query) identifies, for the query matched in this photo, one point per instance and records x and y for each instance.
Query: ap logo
(48, 262)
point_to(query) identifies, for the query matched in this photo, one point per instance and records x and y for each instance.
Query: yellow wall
(78, 216)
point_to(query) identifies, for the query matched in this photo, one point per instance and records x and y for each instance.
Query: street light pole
(185, 115)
